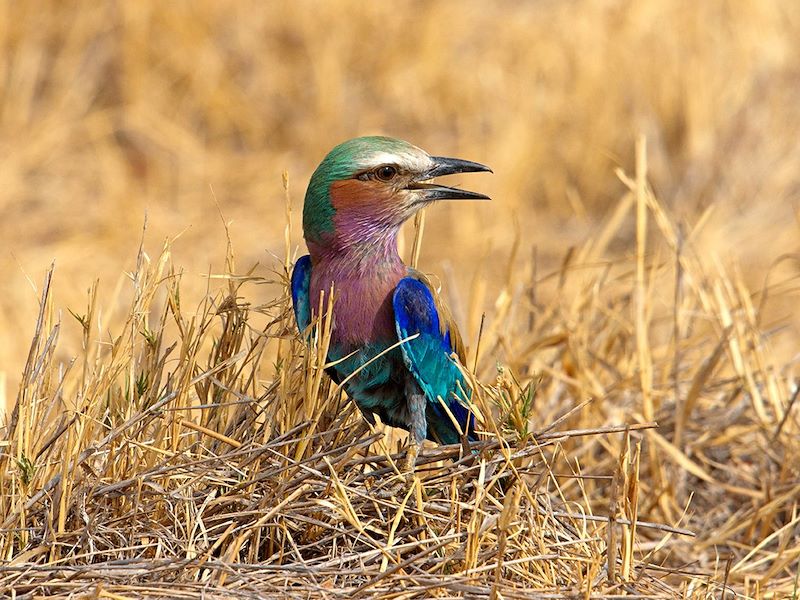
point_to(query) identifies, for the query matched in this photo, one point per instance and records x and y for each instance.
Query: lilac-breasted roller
(356, 201)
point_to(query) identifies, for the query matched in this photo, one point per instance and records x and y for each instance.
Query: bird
(394, 346)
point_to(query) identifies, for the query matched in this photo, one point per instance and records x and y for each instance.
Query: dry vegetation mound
(642, 444)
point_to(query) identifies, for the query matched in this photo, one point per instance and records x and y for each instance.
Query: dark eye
(386, 172)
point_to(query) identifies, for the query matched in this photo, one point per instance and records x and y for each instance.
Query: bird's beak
(448, 166)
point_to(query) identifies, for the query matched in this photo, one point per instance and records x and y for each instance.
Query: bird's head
(370, 185)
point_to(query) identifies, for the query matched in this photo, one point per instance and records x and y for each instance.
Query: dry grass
(173, 458)
(635, 371)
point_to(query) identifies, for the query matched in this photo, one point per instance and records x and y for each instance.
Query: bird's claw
(409, 466)
(406, 473)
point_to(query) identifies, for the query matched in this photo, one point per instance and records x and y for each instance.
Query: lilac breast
(362, 301)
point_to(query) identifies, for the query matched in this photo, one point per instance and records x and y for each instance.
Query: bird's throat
(365, 229)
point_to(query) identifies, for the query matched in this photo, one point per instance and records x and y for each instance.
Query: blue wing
(301, 279)
(428, 357)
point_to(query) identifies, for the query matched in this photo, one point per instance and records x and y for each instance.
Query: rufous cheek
(371, 198)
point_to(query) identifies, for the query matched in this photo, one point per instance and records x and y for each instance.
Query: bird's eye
(386, 172)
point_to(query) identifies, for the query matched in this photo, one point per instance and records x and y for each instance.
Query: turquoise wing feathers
(428, 357)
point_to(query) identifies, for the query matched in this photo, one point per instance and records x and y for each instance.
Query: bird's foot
(399, 485)
(408, 469)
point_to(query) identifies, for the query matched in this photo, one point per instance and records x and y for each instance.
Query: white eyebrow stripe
(407, 160)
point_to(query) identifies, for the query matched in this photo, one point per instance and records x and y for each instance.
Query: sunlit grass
(205, 446)
(168, 431)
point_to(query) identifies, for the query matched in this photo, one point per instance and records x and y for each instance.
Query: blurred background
(110, 111)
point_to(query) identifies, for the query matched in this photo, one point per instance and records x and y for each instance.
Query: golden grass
(639, 445)
(635, 369)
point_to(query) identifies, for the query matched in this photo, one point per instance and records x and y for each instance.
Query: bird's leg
(417, 424)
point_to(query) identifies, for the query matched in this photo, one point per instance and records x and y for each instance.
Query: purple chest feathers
(362, 310)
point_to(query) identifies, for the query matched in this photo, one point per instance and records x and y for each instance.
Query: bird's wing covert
(428, 356)
(301, 279)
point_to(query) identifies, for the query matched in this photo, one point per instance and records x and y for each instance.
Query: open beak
(448, 166)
